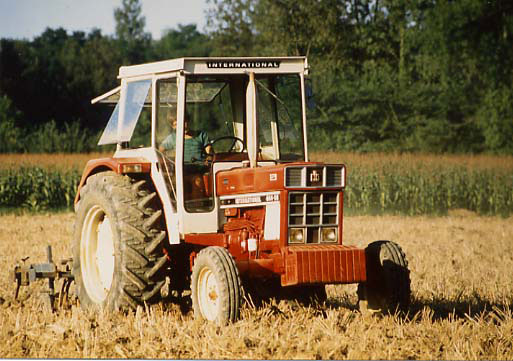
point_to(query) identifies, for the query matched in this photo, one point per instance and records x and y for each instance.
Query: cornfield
(37, 188)
(412, 184)
(376, 184)
(433, 191)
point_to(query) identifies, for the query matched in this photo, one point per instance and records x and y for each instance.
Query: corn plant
(390, 188)
(38, 188)
(416, 191)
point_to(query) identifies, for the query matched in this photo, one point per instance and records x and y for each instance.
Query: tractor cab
(192, 118)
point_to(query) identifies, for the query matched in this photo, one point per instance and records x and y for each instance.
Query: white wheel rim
(97, 254)
(208, 295)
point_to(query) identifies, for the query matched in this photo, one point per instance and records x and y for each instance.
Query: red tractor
(210, 189)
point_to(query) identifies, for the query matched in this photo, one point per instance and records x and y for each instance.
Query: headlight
(329, 234)
(296, 235)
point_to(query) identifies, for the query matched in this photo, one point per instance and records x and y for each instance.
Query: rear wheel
(387, 288)
(216, 286)
(118, 243)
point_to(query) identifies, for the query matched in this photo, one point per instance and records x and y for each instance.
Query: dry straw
(462, 304)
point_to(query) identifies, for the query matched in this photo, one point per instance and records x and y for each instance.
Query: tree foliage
(390, 75)
(407, 75)
(184, 41)
(130, 31)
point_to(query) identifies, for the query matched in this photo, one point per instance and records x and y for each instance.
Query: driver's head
(172, 118)
(173, 122)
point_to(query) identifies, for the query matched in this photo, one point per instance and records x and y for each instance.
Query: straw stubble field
(462, 303)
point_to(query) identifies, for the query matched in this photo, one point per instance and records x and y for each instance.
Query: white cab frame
(178, 221)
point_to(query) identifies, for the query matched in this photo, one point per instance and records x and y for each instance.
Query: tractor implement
(24, 274)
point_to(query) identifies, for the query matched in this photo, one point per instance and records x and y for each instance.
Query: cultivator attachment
(25, 274)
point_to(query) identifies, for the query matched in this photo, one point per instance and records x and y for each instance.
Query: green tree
(133, 40)
(55, 76)
(496, 120)
(182, 42)
(13, 55)
(10, 131)
(230, 24)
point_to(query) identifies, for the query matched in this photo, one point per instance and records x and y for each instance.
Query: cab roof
(219, 65)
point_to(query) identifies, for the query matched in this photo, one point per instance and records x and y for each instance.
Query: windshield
(217, 106)
(280, 117)
(209, 110)
(137, 93)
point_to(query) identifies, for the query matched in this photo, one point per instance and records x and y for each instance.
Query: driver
(196, 143)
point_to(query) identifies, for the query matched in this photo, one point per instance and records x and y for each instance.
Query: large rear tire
(387, 288)
(118, 243)
(216, 286)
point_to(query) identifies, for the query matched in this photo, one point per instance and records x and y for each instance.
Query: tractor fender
(118, 165)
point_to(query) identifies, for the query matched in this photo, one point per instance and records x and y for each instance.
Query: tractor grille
(315, 176)
(314, 215)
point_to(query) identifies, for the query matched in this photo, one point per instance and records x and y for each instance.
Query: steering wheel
(232, 147)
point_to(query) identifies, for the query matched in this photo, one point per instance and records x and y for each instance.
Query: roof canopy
(219, 65)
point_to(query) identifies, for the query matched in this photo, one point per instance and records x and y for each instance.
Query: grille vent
(293, 177)
(333, 177)
(330, 176)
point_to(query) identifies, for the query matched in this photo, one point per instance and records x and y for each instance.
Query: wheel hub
(97, 254)
(208, 294)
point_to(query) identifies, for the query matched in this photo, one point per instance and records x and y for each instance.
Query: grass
(462, 303)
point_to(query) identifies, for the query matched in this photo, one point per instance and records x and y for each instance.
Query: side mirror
(310, 101)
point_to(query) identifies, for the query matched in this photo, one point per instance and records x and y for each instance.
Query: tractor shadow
(438, 309)
(182, 302)
(434, 309)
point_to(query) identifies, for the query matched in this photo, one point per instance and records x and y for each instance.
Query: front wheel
(216, 286)
(387, 288)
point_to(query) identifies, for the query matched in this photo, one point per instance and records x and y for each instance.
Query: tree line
(387, 75)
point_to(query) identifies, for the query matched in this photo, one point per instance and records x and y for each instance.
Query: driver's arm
(169, 143)
(206, 143)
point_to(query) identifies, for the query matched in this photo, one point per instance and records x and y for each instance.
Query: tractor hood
(284, 176)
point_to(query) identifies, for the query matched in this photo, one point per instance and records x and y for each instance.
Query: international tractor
(210, 189)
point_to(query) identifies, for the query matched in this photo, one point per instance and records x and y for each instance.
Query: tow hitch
(25, 274)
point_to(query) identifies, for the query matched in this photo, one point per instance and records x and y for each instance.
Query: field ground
(462, 307)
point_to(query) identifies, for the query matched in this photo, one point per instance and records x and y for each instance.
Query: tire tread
(138, 216)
